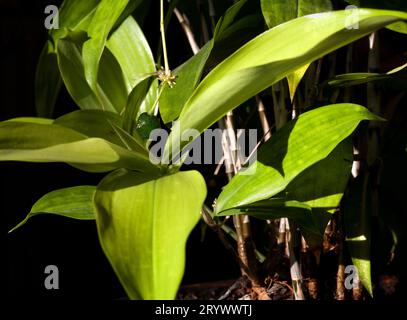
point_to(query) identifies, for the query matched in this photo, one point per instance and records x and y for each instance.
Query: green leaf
(47, 81)
(105, 17)
(308, 199)
(396, 78)
(294, 148)
(172, 100)
(400, 27)
(143, 226)
(74, 15)
(326, 193)
(228, 18)
(134, 103)
(75, 203)
(357, 214)
(276, 12)
(188, 75)
(400, 5)
(130, 48)
(110, 94)
(98, 124)
(269, 58)
(240, 23)
(33, 142)
(295, 78)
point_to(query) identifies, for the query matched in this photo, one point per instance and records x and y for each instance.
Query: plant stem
(340, 276)
(187, 29)
(245, 244)
(263, 119)
(295, 267)
(162, 29)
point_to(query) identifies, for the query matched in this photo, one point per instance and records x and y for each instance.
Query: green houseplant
(101, 56)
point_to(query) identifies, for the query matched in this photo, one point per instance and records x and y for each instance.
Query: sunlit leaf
(357, 215)
(105, 17)
(270, 57)
(33, 142)
(394, 78)
(132, 51)
(75, 203)
(144, 223)
(294, 148)
(109, 95)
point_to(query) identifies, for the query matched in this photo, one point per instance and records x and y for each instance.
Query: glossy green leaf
(47, 81)
(240, 23)
(228, 18)
(75, 203)
(188, 75)
(294, 148)
(74, 15)
(105, 17)
(270, 57)
(276, 12)
(33, 142)
(143, 224)
(130, 48)
(98, 124)
(37, 120)
(325, 193)
(110, 94)
(295, 78)
(400, 5)
(396, 78)
(308, 199)
(134, 102)
(357, 215)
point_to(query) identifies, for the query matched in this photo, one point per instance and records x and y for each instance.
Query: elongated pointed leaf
(322, 185)
(74, 15)
(279, 11)
(276, 12)
(107, 12)
(47, 81)
(228, 18)
(400, 5)
(357, 215)
(295, 78)
(75, 203)
(173, 99)
(132, 51)
(294, 148)
(99, 124)
(311, 197)
(189, 74)
(396, 78)
(32, 142)
(110, 94)
(240, 23)
(143, 226)
(134, 102)
(270, 57)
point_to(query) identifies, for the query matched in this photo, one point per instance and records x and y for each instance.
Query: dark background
(51, 240)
